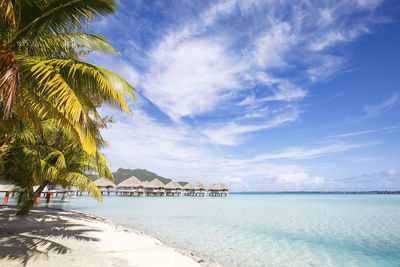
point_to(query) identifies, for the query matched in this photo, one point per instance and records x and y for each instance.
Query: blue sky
(261, 95)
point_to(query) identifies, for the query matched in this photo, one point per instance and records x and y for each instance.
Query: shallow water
(265, 229)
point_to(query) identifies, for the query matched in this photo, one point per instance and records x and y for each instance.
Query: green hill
(142, 174)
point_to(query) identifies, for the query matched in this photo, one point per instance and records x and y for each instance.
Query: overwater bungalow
(188, 190)
(218, 190)
(200, 189)
(131, 186)
(154, 187)
(173, 188)
(8, 190)
(105, 185)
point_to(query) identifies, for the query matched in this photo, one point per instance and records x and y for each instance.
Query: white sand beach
(49, 237)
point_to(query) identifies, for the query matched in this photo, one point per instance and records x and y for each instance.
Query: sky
(260, 95)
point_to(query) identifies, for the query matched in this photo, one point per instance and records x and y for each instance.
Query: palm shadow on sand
(29, 236)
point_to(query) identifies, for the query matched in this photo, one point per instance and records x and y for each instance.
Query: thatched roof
(131, 182)
(102, 182)
(155, 183)
(189, 187)
(173, 185)
(199, 186)
(145, 184)
(221, 186)
(212, 187)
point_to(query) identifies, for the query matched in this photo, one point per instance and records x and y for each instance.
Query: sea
(271, 229)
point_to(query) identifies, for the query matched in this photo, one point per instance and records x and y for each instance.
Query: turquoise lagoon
(264, 229)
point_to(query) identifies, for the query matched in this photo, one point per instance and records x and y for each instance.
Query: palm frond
(82, 181)
(60, 15)
(64, 45)
(7, 10)
(110, 86)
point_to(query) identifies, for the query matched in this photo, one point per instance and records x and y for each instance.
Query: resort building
(188, 190)
(105, 185)
(130, 186)
(173, 189)
(154, 187)
(200, 189)
(7, 189)
(218, 190)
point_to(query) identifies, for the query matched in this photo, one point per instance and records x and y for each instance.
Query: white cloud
(291, 177)
(272, 45)
(318, 180)
(303, 153)
(392, 172)
(190, 77)
(376, 110)
(352, 134)
(232, 133)
(369, 4)
(324, 67)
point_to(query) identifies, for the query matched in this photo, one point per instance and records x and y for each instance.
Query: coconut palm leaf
(60, 15)
(7, 10)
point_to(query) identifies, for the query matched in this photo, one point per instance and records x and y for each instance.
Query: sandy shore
(49, 237)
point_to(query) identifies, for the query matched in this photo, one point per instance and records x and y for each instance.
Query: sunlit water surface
(264, 229)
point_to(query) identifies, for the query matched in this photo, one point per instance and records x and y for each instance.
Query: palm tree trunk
(29, 203)
(41, 188)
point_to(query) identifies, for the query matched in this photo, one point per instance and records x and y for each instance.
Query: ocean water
(264, 229)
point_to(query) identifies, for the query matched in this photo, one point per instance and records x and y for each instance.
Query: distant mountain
(142, 174)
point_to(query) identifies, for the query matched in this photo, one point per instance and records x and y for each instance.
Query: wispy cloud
(377, 109)
(352, 134)
(231, 134)
(365, 132)
(303, 153)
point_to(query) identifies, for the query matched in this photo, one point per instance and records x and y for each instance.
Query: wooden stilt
(6, 198)
(37, 201)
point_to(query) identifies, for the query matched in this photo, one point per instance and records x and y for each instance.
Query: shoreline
(55, 236)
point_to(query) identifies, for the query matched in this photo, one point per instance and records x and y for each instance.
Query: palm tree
(50, 158)
(42, 74)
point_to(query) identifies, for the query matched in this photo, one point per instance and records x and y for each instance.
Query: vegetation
(49, 96)
(142, 174)
(51, 157)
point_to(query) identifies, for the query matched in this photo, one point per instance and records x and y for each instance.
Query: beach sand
(48, 237)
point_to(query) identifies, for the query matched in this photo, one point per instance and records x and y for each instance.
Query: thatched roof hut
(199, 186)
(102, 182)
(131, 182)
(212, 187)
(173, 185)
(188, 187)
(156, 184)
(221, 186)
